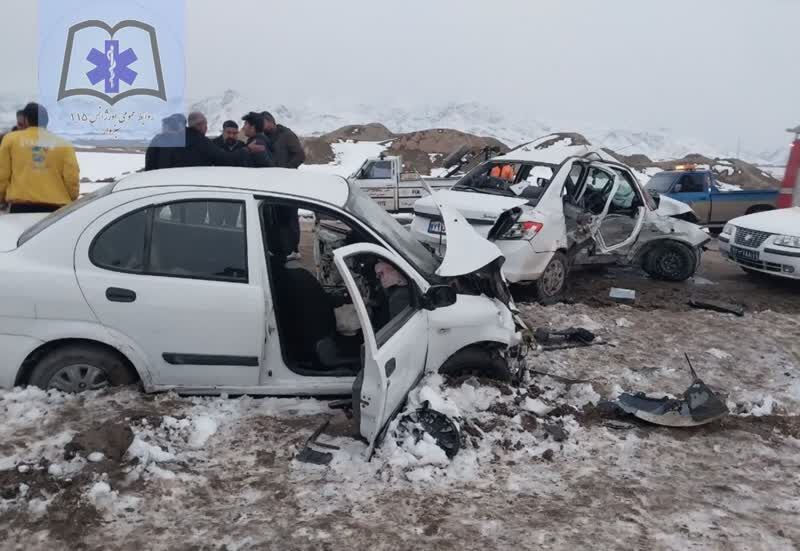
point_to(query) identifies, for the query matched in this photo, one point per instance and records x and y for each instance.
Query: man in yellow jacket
(38, 170)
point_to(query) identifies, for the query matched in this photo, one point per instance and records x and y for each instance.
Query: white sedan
(765, 242)
(178, 279)
(584, 209)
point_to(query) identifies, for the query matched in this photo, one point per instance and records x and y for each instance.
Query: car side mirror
(678, 188)
(439, 296)
(541, 182)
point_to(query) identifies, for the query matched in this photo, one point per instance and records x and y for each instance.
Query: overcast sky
(713, 69)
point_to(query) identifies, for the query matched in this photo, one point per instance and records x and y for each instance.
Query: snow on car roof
(553, 150)
(322, 187)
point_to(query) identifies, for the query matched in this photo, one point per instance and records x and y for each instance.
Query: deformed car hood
(467, 251)
(672, 207)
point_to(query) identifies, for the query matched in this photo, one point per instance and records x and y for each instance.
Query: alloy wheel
(79, 378)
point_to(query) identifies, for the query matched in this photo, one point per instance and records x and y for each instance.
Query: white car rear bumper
(768, 258)
(522, 262)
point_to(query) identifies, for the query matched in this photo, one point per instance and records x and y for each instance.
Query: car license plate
(436, 227)
(744, 254)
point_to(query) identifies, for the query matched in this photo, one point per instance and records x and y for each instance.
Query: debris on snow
(96, 457)
(624, 296)
(718, 354)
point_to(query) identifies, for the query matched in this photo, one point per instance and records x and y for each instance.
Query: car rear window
(81, 202)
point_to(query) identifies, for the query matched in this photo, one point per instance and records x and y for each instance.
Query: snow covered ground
(101, 166)
(540, 467)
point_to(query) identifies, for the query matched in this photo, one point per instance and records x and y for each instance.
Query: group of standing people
(38, 170)
(183, 143)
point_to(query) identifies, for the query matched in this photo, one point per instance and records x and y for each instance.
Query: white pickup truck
(383, 179)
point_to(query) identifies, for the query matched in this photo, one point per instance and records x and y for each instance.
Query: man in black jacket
(229, 139)
(254, 130)
(159, 153)
(287, 152)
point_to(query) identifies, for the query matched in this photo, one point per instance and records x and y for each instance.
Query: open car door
(395, 352)
(623, 213)
(607, 208)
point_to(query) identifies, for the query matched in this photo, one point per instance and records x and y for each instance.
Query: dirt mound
(424, 150)
(318, 151)
(372, 132)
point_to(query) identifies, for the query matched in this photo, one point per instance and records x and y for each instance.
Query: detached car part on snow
(700, 405)
(545, 217)
(178, 279)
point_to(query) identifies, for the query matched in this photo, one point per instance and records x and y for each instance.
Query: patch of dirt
(112, 439)
(717, 279)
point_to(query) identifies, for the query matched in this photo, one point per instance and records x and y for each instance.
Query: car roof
(321, 187)
(552, 155)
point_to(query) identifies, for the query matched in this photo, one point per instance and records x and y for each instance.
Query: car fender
(472, 320)
(48, 331)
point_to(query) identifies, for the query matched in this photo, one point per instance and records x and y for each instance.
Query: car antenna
(691, 367)
(429, 189)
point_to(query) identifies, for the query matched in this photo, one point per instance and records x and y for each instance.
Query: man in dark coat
(229, 139)
(254, 130)
(160, 152)
(287, 152)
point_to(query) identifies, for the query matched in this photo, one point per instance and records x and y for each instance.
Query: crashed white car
(545, 215)
(764, 243)
(178, 279)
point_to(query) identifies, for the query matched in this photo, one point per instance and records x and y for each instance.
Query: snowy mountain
(471, 117)
(314, 118)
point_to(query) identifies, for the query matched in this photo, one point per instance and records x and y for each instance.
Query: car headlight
(523, 230)
(728, 229)
(787, 241)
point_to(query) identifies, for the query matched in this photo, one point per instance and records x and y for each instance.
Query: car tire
(78, 368)
(550, 286)
(477, 360)
(670, 262)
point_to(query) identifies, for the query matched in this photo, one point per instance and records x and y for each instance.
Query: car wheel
(78, 368)
(671, 262)
(478, 360)
(553, 280)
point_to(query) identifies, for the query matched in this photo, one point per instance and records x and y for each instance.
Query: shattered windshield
(661, 182)
(372, 214)
(510, 179)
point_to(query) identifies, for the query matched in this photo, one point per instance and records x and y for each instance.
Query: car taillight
(523, 230)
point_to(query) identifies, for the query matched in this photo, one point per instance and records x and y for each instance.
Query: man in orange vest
(504, 172)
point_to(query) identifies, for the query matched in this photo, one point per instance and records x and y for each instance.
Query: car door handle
(115, 294)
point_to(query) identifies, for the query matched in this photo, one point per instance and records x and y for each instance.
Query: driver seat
(307, 317)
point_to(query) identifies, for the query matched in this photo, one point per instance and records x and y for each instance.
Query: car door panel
(196, 332)
(393, 363)
(609, 232)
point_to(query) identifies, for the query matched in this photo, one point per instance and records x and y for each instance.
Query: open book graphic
(112, 63)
